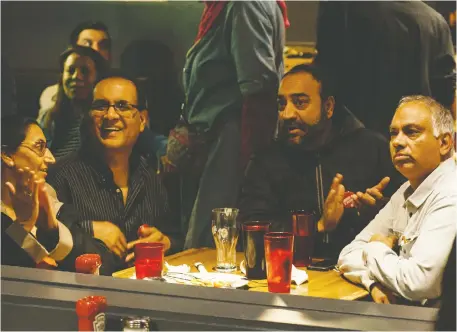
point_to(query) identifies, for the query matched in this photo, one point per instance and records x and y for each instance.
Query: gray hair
(442, 120)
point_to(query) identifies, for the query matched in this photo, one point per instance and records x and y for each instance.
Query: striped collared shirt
(85, 181)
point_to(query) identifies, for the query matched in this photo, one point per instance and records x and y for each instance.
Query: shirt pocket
(406, 243)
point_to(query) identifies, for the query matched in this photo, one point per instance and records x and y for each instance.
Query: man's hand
(333, 207)
(149, 234)
(372, 197)
(390, 241)
(111, 235)
(381, 294)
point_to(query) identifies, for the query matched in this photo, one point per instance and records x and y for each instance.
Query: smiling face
(113, 128)
(32, 153)
(303, 116)
(415, 151)
(79, 74)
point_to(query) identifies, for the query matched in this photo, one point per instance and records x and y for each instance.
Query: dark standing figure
(151, 63)
(231, 76)
(381, 51)
(446, 316)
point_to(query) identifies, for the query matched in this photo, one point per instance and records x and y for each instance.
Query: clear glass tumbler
(225, 234)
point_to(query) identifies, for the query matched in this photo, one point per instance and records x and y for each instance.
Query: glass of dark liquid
(303, 224)
(254, 248)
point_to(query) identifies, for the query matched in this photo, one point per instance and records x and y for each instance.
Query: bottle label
(99, 322)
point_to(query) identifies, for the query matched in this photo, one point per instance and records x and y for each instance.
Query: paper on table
(184, 268)
(298, 276)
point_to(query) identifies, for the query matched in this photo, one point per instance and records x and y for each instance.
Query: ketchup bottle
(88, 264)
(91, 313)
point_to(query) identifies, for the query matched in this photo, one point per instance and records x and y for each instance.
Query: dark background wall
(41, 29)
(34, 33)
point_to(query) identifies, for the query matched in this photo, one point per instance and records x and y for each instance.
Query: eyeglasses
(39, 147)
(122, 108)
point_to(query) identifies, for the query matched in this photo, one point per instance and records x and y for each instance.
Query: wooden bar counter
(328, 284)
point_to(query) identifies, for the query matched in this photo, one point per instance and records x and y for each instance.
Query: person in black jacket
(380, 51)
(323, 151)
(35, 226)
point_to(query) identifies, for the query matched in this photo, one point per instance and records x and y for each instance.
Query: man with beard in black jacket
(323, 154)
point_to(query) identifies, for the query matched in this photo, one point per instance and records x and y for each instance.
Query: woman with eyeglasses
(34, 223)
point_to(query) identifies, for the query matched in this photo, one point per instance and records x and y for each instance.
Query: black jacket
(285, 178)
(380, 51)
(13, 254)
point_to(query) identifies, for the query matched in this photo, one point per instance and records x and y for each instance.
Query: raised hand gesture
(373, 197)
(333, 207)
(24, 197)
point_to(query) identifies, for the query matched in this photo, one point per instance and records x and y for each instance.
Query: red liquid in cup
(279, 255)
(149, 260)
(148, 268)
(280, 271)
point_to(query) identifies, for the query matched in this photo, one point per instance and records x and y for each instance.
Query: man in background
(90, 34)
(380, 51)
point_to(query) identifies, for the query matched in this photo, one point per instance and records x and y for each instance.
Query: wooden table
(327, 284)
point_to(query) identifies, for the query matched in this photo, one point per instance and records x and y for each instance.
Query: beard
(312, 132)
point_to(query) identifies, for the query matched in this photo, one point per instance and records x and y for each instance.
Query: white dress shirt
(425, 222)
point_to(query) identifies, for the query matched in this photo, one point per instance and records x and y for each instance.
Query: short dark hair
(101, 65)
(122, 74)
(93, 25)
(320, 74)
(14, 128)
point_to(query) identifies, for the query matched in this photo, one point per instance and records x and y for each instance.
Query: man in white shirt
(402, 252)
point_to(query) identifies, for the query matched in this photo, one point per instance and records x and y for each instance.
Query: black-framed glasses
(121, 107)
(39, 147)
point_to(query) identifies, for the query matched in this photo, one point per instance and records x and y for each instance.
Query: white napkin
(184, 268)
(298, 276)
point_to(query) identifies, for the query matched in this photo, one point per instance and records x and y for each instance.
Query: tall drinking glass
(303, 229)
(254, 248)
(278, 255)
(225, 236)
(149, 260)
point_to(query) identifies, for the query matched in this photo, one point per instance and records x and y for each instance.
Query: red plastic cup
(149, 260)
(254, 248)
(278, 255)
(303, 224)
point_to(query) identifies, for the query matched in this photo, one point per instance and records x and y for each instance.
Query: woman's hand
(24, 197)
(47, 215)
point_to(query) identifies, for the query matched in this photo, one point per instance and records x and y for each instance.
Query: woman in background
(79, 68)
